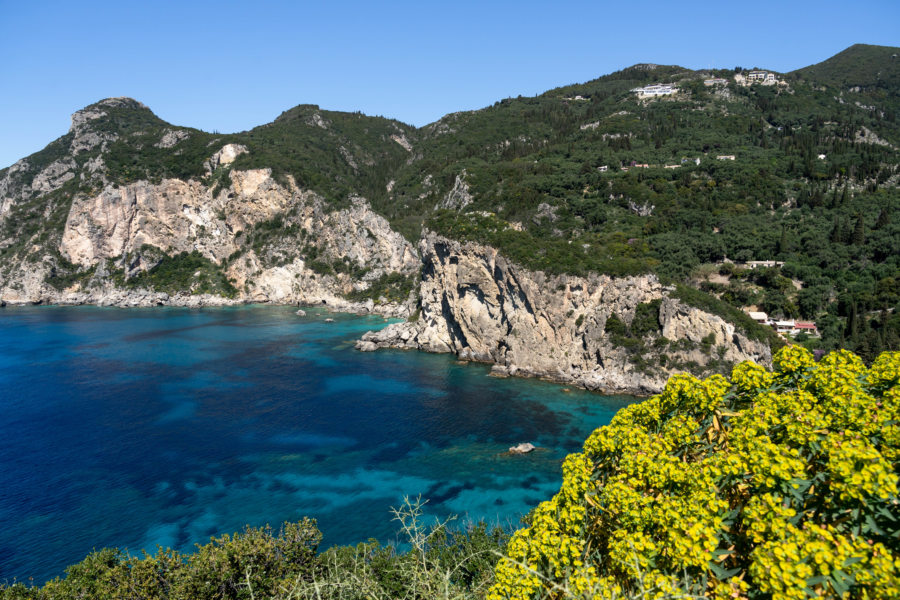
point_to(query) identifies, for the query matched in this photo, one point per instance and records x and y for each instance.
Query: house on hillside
(756, 264)
(725, 157)
(806, 327)
(761, 77)
(657, 89)
(758, 316)
(792, 327)
(715, 81)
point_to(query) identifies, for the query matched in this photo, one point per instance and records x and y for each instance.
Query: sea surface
(138, 428)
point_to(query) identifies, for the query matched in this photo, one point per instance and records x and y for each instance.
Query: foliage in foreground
(258, 564)
(776, 485)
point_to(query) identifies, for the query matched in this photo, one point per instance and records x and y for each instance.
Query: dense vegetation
(766, 485)
(260, 563)
(556, 183)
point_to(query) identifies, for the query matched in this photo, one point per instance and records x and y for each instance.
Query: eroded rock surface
(480, 306)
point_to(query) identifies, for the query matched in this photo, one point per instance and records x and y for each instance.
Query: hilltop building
(752, 77)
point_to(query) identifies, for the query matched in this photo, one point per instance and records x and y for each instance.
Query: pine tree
(884, 218)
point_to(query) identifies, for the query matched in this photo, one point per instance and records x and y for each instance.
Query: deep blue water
(142, 427)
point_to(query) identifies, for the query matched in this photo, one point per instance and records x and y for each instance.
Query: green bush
(257, 564)
(771, 485)
(187, 271)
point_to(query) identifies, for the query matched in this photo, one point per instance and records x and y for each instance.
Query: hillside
(591, 178)
(861, 65)
(683, 183)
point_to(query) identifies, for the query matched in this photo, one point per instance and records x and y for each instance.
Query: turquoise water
(135, 428)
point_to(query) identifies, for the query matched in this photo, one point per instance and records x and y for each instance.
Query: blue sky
(229, 66)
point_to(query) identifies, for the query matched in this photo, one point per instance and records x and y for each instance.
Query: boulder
(524, 448)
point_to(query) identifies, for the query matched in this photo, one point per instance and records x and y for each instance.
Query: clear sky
(229, 66)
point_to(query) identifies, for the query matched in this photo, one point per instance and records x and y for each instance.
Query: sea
(139, 428)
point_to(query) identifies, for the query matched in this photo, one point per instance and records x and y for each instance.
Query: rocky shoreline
(148, 298)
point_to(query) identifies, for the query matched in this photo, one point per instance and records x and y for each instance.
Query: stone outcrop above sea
(120, 221)
(480, 306)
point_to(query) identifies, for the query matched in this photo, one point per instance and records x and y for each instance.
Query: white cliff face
(181, 216)
(227, 155)
(458, 197)
(481, 307)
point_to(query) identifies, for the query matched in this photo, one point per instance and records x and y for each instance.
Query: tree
(859, 232)
(884, 218)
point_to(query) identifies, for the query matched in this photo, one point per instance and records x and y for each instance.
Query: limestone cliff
(71, 231)
(482, 307)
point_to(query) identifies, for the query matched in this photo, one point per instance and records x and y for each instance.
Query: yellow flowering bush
(780, 484)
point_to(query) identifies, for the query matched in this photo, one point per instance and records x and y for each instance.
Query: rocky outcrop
(225, 156)
(480, 306)
(458, 197)
(132, 227)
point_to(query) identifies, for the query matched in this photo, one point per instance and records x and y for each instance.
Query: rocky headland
(480, 306)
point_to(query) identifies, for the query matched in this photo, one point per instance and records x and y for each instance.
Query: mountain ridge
(585, 180)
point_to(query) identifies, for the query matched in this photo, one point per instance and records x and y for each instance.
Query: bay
(138, 428)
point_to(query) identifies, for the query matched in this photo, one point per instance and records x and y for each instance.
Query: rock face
(480, 306)
(181, 216)
(132, 227)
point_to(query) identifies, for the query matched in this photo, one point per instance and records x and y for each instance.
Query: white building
(759, 317)
(763, 77)
(657, 89)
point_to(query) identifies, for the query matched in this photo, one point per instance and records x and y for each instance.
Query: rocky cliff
(265, 239)
(579, 330)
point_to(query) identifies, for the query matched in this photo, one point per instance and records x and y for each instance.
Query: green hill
(859, 65)
(591, 178)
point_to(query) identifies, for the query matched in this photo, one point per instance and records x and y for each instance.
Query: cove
(134, 428)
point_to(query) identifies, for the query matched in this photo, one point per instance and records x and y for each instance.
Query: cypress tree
(782, 242)
(835, 236)
(859, 233)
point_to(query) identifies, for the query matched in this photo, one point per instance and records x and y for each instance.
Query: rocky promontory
(480, 306)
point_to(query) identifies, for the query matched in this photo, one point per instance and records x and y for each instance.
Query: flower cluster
(778, 484)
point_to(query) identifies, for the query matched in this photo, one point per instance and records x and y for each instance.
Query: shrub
(775, 485)
(615, 326)
(442, 562)
(646, 318)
